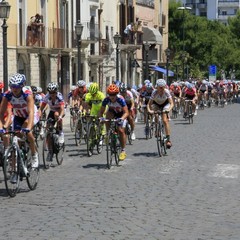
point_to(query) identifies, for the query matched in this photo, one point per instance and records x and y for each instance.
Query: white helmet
(39, 90)
(161, 83)
(81, 83)
(17, 79)
(73, 87)
(52, 87)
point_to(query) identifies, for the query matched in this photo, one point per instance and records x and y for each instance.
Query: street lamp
(183, 9)
(183, 56)
(146, 50)
(117, 40)
(167, 52)
(78, 31)
(4, 14)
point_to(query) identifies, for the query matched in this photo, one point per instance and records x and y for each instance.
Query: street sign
(212, 71)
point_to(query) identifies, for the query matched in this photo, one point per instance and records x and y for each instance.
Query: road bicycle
(94, 135)
(39, 130)
(51, 145)
(73, 117)
(128, 132)
(17, 164)
(175, 109)
(189, 114)
(80, 129)
(149, 126)
(113, 148)
(160, 134)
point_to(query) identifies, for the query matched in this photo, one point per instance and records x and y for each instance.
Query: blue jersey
(116, 106)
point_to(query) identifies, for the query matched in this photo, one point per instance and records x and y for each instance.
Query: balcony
(135, 38)
(228, 3)
(202, 5)
(41, 36)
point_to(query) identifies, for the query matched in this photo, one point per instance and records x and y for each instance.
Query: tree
(206, 42)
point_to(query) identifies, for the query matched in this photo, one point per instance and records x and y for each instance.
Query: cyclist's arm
(150, 102)
(8, 119)
(30, 107)
(62, 110)
(170, 100)
(101, 112)
(3, 109)
(125, 112)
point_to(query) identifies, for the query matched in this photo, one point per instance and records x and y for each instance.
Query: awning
(163, 70)
(152, 35)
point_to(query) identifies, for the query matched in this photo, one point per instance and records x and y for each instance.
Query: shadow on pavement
(97, 166)
(145, 154)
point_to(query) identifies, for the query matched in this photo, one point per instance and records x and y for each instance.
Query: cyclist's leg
(167, 125)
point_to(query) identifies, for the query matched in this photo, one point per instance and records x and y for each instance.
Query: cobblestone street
(191, 194)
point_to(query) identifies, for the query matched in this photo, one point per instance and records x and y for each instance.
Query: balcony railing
(134, 38)
(41, 36)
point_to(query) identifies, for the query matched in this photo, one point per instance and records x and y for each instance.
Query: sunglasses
(15, 86)
(112, 95)
(52, 92)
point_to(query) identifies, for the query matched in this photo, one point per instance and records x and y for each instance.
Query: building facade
(42, 41)
(219, 10)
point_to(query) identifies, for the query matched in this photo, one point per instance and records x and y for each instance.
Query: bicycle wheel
(11, 171)
(72, 121)
(47, 151)
(109, 150)
(91, 138)
(128, 132)
(190, 114)
(147, 129)
(100, 139)
(117, 150)
(158, 138)
(59, 149)
(33, 177)
(78, 133)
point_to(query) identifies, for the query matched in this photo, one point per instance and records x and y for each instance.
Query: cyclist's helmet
(52, 87)
(146, 81)
(175, 84)
(38, 99)
(81, 83)
(112, 89)
(39, 90)
(161, 83)
(17, 80)
(149, 86)
(1, 85)
(34, 89)
(93, 88)
(123, 87)
(189, 86)
(73, 87)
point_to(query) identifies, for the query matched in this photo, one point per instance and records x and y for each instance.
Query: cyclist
(55, 101)
(176, 93)
(117, 108)
(144, 99)
(94, 99)
(202, 92)
(161, 99)
(24, 111)
(190, 93)
(136, 96)
(79, 95)
(70, 95)
(128, 96)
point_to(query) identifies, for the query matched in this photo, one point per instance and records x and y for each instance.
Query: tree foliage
(205, 42)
